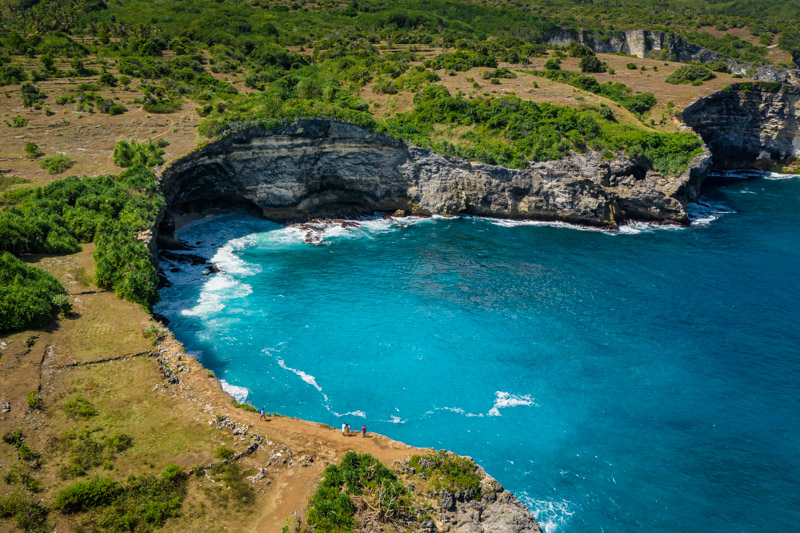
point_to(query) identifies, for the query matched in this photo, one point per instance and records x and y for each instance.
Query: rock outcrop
(748, 125)
(668, 46)
(497, 510)
(319, 168)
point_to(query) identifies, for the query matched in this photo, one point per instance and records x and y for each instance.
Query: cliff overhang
(323, 168)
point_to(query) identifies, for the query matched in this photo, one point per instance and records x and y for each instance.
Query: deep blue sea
(646, 379)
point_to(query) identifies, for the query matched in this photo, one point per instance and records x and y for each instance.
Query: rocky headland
(323, 169)
(748, 124)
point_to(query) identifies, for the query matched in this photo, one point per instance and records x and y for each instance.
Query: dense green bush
(127, 154)
(31, 96)
(592, 64)
(331, 509)
(449, 472)
(28, 296)
(109, 210)
(32, 150)
(18, 122)
(86, 495)
(690, 73)
(57, 163)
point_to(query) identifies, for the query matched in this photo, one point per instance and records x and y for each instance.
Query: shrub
(108, 79)
(57, 163)
(579, 50)
(34, 402)
(28, 514)
(87, 495)
(18, 122)
(690, 73)
(224, 453)
(331, 509)
(631, 66)
(31, 96)
(245, 406)
(28, 296)
(32, 150)
(498, 73)
(449, 472)
(127, 154)
(29, 456)
(15, 438)
(79, 408)
(552, 64)
(592, 64)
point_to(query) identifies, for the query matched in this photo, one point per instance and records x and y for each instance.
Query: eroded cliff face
(748, 125)
(320, 168)
(661, 45)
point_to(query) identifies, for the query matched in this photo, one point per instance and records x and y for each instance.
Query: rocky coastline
(326, 169)
(748, 125)
(321, 169)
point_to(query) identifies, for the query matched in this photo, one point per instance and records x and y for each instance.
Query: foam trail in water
(504, 399)
(239, 394)
(705, 212)
(779, 176)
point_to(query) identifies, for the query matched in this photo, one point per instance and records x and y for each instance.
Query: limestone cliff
(669, 46)
(320, 168)
(748, 125)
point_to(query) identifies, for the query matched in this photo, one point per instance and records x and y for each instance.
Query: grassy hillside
(112, 90)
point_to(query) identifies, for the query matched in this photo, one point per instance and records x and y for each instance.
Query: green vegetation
(29, 297)
(331, 508)
(79, 407)
(224, 453)
(109, 210)
(85, 452)
(56, 164)
(244, 406)
(143, 503)
(17, 122)
(28, 514)
(127, 154)
(449, 472)
(32, 150)
(692, 73)
(618, 92)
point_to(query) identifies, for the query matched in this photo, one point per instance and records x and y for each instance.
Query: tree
(592, 64)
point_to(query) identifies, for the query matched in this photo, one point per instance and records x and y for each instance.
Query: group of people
(345, 427)
(346, 430)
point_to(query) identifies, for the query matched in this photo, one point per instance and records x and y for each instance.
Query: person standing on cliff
(363, 431)
(344, 428)
(348, 430)
(263, 415)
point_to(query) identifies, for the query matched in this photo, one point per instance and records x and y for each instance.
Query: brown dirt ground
(169, 424)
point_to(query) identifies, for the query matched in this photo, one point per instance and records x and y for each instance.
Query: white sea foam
(508, 223)
(704, 213)
(504, 399)
(397, 420)
(552, 515)
(239, 394)
(360, 414)
(308, 378)
(779, 176)
(215, 292)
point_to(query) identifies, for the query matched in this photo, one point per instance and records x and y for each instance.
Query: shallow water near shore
(638, 380)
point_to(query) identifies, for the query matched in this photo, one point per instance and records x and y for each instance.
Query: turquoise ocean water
(640, 380)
